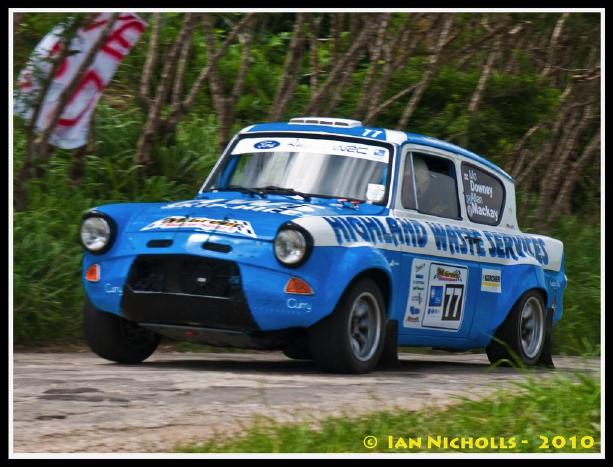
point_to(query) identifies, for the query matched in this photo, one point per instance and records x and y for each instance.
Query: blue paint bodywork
(330, 268)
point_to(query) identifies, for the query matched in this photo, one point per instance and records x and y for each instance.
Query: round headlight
(95, 233)
(290, 247)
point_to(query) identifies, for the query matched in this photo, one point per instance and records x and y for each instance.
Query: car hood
(242, 217)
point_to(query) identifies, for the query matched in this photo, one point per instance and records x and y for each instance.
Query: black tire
(510, 333)
(331, 338)
(117, 339)
(298, 350)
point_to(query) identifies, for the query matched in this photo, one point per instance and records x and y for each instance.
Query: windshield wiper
(241, 189)
(284, 191)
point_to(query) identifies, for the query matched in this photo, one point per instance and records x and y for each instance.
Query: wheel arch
(383, 281)
(540, 290)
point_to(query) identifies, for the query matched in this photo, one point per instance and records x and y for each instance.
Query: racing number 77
(453, 302)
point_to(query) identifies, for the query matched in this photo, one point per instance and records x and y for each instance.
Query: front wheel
(117, 339)
(523, 333)
(351, 339)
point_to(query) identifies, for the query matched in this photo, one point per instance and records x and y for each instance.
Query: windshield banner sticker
(204, 224)
(312, 145)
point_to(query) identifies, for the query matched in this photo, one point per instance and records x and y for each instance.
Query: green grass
(556, 407)
(47, 290)
(579, 330)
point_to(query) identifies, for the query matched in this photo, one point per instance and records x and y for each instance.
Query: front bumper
(261, 299)
(185, 290)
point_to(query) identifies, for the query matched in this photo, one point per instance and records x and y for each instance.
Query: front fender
(329, 271)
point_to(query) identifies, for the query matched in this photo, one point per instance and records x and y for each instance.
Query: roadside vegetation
(548, 414)
(521, 89)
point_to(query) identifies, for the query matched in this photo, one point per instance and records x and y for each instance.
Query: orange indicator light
(298, 286)
(93, 273)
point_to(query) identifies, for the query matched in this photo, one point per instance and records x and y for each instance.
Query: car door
(441, 287)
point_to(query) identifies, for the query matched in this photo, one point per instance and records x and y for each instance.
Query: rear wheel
(523, 332)
(117, 339)
(351, 339)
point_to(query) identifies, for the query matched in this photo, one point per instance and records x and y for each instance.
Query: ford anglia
(330, 241)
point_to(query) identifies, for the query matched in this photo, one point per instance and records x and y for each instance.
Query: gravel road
(77, 402)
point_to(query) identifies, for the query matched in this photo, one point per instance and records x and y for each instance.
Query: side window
(408, 188)
(435, 183)
(483, 194)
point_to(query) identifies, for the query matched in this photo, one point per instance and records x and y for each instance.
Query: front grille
(185, 274)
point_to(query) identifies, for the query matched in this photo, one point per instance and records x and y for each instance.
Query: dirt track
(77, 402)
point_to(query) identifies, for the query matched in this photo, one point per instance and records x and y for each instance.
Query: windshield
(307, 166)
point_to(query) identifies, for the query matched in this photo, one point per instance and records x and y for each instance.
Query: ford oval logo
(269, 144)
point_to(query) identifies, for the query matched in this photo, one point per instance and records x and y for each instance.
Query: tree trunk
(562, 199)
(291, 70)
(150, 61)
(142, 156)
(428, 75)
(378, 52)
(355, 49)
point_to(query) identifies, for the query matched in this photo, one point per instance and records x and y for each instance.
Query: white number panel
(444, 307)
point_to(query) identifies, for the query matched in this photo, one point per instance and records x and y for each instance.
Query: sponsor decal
(394, 263)
(375, 192)
(417, 298)
(491, 280)
(412, 315)
(447, 240)
(443, 274)
(204, 224)
(113, 289)
(351, 148)
(296, 305)
(288, 209)
(436, 296)
(269, 144)
(482, 202)
(478, 188)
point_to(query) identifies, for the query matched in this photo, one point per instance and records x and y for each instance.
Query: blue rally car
(331, 241)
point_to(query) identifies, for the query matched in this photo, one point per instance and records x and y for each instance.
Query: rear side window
(483, 194)
(435, 184)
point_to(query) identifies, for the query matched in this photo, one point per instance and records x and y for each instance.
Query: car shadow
(413, 366)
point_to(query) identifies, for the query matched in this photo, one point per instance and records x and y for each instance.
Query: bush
(47, 291)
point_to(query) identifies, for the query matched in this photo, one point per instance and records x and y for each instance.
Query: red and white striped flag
(72, 127)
